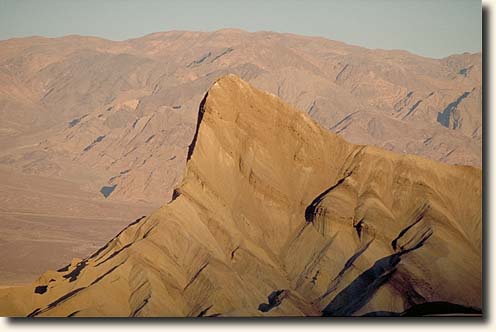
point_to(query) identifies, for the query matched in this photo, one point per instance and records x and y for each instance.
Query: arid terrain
(43, 227)
(277, 216)
(95, 133)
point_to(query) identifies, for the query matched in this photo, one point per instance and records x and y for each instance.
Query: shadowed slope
(277, 216)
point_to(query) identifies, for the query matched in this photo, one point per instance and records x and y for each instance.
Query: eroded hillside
(277, 216)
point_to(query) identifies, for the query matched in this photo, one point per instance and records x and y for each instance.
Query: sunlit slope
(277, 216)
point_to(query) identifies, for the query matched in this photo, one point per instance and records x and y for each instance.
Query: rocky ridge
(276, 216)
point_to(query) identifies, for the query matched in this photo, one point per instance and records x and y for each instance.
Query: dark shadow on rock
(361, 290)
(274, 299)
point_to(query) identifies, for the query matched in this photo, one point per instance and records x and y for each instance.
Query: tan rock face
(277, 216)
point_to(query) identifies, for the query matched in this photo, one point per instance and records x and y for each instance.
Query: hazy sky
(434, 28)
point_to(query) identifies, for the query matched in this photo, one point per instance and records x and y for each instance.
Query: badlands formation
(276, 216)
(95, 133)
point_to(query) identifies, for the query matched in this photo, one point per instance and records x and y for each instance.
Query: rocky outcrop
(276, 216)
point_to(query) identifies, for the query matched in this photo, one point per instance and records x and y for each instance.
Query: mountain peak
(277, 216)
(229, 82)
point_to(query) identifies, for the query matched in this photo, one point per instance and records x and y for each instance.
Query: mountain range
(95, 133)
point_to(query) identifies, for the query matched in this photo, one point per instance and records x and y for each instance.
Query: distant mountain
(124, 112)
(276, 216)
